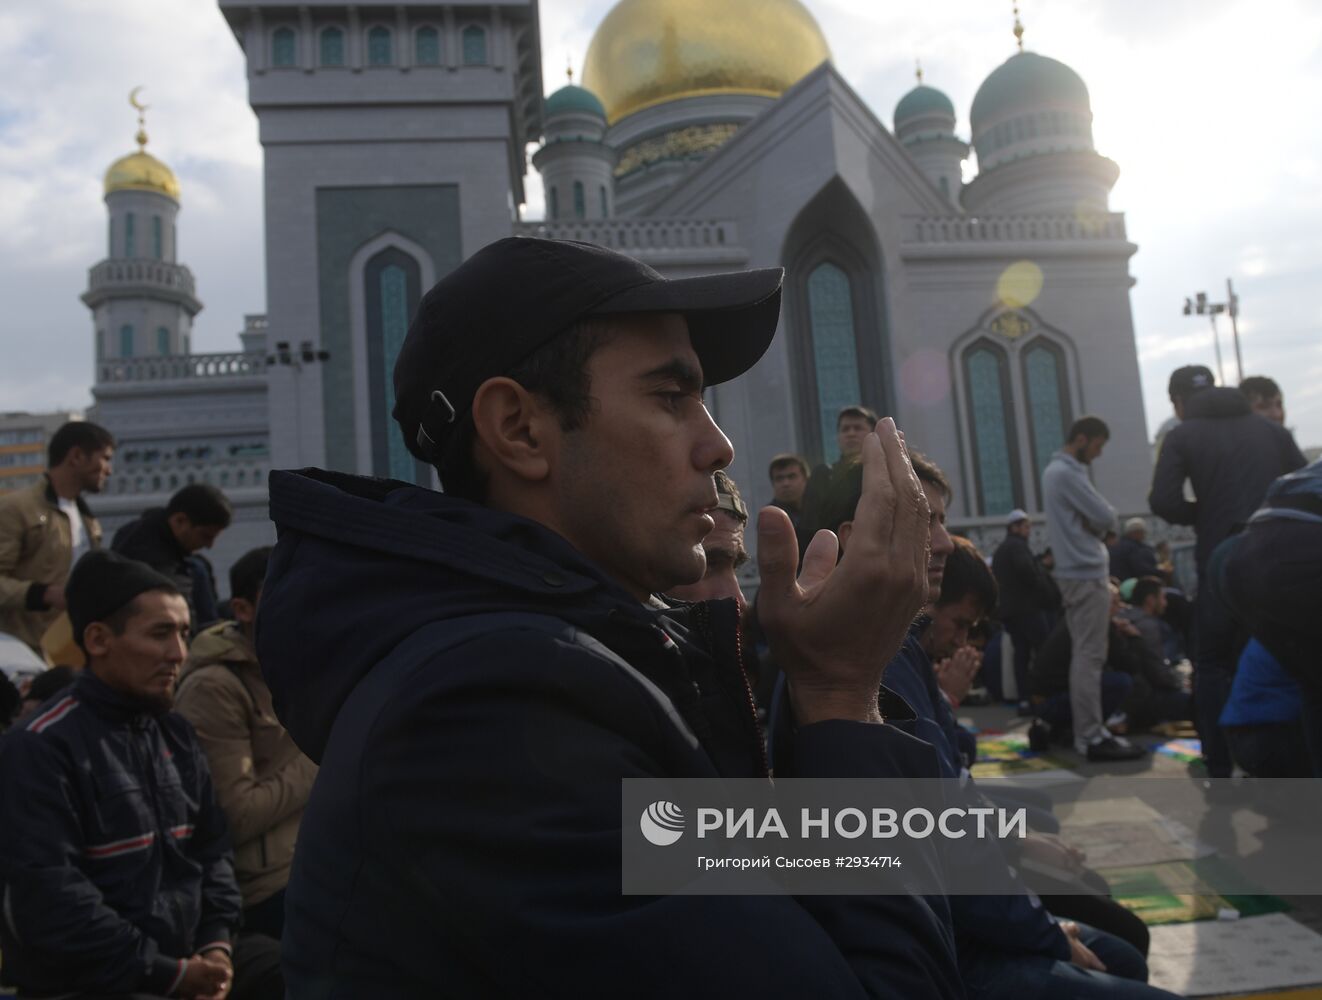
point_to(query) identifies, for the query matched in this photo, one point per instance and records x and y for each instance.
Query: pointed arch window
(605, 206)
(474, 40)
(157, 244)
(126, 341)
(427, 46)
(282, 48)
(110, 236)
(580, 201)
(100, 345)
(995, 458)
(1048, 402)
(379, 46)
(130, 241)
(834, 351)
(162, 340)
(555, 204)
(331, 47)
(392, 287)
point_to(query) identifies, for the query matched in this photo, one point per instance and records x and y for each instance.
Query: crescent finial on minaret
(141, 108)
(1018, 27)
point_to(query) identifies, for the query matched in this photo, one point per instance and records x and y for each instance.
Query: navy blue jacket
(1230, 455)
(463, 836)
(1132, 558)
(1002, 925)
(113, 852)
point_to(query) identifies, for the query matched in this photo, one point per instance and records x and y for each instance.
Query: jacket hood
(1216, 403)
(360, 564)
(221, 643)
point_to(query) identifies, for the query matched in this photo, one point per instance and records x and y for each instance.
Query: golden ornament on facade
(1010, 325)
(696, 140)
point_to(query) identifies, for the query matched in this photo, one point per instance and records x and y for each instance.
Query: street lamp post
(1198, 305)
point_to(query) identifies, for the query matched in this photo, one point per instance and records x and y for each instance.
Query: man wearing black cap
(1229, 455)
(477, 671)
(116, 869)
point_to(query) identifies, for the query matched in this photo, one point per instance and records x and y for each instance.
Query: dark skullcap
(103, 582)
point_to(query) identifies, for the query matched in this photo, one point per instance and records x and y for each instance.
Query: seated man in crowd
(476, 671)
(1009, 946)
(1131, 555)
(1159, 693)
(261, 778)
(166, 539)
(116, 869)
(1050, 677)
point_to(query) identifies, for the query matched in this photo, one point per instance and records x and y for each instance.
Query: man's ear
(245, 611)
(515, 429)
(96, 639)
(843, 532)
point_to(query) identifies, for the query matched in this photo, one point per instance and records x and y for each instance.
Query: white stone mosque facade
(985, 315)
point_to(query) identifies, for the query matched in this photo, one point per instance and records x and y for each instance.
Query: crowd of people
(389, 762)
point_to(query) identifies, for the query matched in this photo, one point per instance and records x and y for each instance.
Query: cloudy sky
(1205, 104)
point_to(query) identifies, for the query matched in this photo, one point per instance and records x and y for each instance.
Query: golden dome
(141, 171)
(647, 52)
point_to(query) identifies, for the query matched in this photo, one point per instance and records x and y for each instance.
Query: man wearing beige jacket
(46, 528)
(261, 778)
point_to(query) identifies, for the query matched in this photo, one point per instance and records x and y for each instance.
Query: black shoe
(1111, 749)
(1039, 737)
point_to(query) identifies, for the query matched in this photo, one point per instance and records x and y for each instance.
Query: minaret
(576, 165)
(925, 126)
(1031, 125)
(142, 300)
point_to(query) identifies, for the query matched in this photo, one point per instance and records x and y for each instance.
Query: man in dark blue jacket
(1229, 455)
(114, 858)
(477, 671)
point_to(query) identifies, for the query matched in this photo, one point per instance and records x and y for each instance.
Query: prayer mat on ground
(1128, 833)
(1002, 755)
(1183, 892)
(1235, 956)
(1183, 749)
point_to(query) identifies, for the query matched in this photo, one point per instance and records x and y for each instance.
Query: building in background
(23, 440)
(985, 309)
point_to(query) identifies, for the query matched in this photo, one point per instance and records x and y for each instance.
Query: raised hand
(833, 630)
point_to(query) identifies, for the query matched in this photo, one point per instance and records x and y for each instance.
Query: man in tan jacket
(261, 778)
(46, 528)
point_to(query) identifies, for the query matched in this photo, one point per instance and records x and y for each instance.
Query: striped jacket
(114, 860)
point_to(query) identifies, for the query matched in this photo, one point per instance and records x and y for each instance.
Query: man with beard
(46, 528)
(115, 864)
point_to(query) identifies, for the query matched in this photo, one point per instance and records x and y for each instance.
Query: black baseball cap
(519, 293)
(1188, 380)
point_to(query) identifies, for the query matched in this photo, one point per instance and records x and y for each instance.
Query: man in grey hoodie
(1078, 520)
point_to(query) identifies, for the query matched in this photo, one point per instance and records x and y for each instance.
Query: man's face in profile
(725, 554)
(1271, 407)
(633, 487)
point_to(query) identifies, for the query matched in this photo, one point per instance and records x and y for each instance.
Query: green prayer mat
(1177, 892)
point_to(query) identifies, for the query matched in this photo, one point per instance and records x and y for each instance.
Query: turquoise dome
(572, 99)
(1025, 82)
(923, 100)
